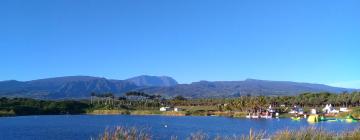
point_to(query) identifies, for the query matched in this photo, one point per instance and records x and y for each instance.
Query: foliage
(22, 106)
(203, 106)
(180, 98)
(103, 95)
(142, 94)
(245, 103)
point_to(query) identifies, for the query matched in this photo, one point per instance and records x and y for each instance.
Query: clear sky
(293, 40)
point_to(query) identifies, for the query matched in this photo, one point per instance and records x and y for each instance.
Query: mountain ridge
(82, 86)
(241, 88)
(155, 81)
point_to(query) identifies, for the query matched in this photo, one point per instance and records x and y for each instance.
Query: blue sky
(306, 41)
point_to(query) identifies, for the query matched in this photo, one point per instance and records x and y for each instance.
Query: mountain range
(75, 87)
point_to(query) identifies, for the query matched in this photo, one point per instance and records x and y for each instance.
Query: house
(270, 109)
(297, 110)
(313, 111)
(329, 109)
(178, 109)
(165, 109)
(344, 109)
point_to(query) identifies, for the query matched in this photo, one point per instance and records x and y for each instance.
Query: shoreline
(149, 113)
(230, 114)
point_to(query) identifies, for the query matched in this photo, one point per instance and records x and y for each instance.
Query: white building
(165, 109)
(270, 109)
(344, 109)
(297, 110)
(177, 109)
(313, 111)
(329, 109)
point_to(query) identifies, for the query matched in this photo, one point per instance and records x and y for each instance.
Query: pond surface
(78, 127)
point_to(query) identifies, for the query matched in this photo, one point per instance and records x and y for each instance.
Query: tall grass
(311, 133)
(303, 134)
(355, 134)
(123, 133)
(315, 134)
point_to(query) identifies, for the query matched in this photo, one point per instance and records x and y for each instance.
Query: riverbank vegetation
(22, 106)
(121, 133)
(139, 103)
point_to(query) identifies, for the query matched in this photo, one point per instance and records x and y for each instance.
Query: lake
(75, 127)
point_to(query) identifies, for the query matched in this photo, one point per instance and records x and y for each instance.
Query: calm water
(87, 126)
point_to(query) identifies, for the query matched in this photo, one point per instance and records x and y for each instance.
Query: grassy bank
(137, 112)
(108, 112)
(229, 107)
(169, 113)
(121, 133)
(156, 112)
(6, 113)
(206, 111)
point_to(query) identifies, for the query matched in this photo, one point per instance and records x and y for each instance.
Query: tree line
(24, 106)
(245, 103)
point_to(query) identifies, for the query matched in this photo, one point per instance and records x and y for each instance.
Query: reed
(311, 133)
(315, 134)
(123, 133)
(352, 135)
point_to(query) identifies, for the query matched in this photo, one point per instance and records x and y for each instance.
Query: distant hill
(64, 87)
(237, 88)
(82, 86)
(153, 81)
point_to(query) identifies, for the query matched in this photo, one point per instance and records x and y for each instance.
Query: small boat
(296, 118)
